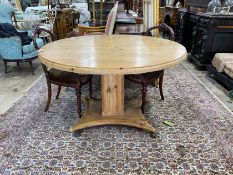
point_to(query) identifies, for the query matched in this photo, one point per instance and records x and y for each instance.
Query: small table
(112, 57)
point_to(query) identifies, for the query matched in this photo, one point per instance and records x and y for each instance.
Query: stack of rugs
(223, 62)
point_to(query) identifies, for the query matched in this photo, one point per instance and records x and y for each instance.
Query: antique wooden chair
(63, 78)
(67, 79)
(149, 78)
(48, 25)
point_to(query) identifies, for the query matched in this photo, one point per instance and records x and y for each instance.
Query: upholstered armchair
(12, 48)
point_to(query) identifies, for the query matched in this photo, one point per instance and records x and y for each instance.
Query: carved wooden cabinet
(64, 23)
(204, 35)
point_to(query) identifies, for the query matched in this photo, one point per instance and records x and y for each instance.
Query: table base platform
(93, 116)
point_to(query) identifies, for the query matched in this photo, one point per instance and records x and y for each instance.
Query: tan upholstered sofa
(222, 69)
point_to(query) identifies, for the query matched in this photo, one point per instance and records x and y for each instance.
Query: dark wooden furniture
(38, 31)
(212, 34)
(146, 79)
(63, 78)
(222, 78)
(35, 3)
(76, 16)
(67, 79)
(149, 78)
(164, 28)
(204, 35)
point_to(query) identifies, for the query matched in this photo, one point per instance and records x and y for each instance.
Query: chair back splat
(111, 20)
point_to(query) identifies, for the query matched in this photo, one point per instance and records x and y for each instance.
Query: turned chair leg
(161, 85)
(49, 96)
(144, 91)
(90, 87)
(30, 63)
(17, 63)
(78, 94)
(5, 66)
(58, 91)
(155, 83)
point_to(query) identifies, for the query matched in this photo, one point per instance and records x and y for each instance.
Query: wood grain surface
(115, 54)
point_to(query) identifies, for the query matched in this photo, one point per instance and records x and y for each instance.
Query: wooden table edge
(106, 71)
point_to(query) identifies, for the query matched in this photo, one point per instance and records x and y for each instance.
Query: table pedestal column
(112, 95)
(113, 109)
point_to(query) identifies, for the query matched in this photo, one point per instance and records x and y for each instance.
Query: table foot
(132, 116)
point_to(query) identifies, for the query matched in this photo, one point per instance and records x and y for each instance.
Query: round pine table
(112, 57)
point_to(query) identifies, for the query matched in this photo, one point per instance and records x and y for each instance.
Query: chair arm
(38, 31)
(167, 29)
(11, 48)
(148, 32)
(163, 28)
(15, 21)
(132, 33)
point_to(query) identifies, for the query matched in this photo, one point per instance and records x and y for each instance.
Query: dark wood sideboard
(204, 35)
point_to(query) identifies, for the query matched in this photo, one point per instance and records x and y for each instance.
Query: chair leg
(30, 63)
(90, 87)
(49, 96)
(144, 91)
(155, 83)
(5, 66)
(161, 85)
(58, 91)
(78, 94)
(17, 63)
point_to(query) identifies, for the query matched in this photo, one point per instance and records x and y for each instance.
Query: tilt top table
(112, 57)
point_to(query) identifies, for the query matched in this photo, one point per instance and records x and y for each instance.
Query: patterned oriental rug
(199, 142)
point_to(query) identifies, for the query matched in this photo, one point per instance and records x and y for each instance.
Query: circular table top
(112, 54)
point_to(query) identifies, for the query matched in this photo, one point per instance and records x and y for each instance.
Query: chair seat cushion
(221, 59)
(30, 47)
(64, 77)
(229, 69)
(150, 76)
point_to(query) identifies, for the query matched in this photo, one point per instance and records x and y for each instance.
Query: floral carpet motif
(199, 142)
